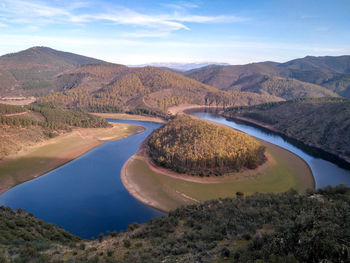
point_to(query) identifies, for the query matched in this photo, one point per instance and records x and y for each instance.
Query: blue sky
(143, 31)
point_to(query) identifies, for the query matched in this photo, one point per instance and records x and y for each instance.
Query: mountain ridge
(31, 72)
(78, 81)
(326, 72)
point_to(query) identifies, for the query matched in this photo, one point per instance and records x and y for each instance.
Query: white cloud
(40, 13)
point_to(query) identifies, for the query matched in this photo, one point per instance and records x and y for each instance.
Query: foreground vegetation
(324, 122)
(192, 146)
(23, 237)
(284, 227)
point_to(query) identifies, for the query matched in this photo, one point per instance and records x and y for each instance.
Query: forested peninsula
(195, 147)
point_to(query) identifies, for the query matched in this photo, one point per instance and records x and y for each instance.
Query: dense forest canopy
(195, 147)
(323, 122)
(6, 109)
(54, 117)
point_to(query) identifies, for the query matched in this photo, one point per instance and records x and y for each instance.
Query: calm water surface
(86, 196)
(325, 172)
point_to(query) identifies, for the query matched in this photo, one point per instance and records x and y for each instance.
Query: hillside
(122, 89)
(115, 88)
(89, 76)
(283, 227)
(22, 127)
(286, 88)
(28, 236)
(330, 73)
(324, 122)
(340, 64)
(237, 98)
(193, 146)
(75, 81)
(31, 72)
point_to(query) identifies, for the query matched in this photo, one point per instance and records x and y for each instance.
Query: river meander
(86, 196)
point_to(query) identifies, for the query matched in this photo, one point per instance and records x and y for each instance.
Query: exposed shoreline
(187, 107)
(126, 116)
(134, 191)
(64, 148)
(142, 194)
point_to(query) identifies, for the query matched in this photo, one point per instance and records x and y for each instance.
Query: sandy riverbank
(183, 107)
(48, 155)
(125, 116)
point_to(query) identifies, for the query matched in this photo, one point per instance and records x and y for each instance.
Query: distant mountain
(180, 66)
(76, 81)
(110, 87)
(32, 71)
(326, 73)
(332, 73)
(340, 64)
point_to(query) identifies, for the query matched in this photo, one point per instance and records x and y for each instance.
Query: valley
(114, 146)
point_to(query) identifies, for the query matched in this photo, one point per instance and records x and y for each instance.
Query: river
(86, 196)
(324, 172)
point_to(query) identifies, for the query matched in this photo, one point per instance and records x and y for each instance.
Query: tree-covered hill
(89, 76)
(24, 126)
(129, 88)
(332, 73)
(323, 122)
(285, 227)
(195, 147)
(285, 88)
(112, 88)
(339, 64)
(32, 72)
(76, 81)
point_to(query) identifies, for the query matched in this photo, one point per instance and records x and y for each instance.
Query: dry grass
(20, 102)
(124, 116)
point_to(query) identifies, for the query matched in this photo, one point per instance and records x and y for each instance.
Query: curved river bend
(86, 196)
(324, 172)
